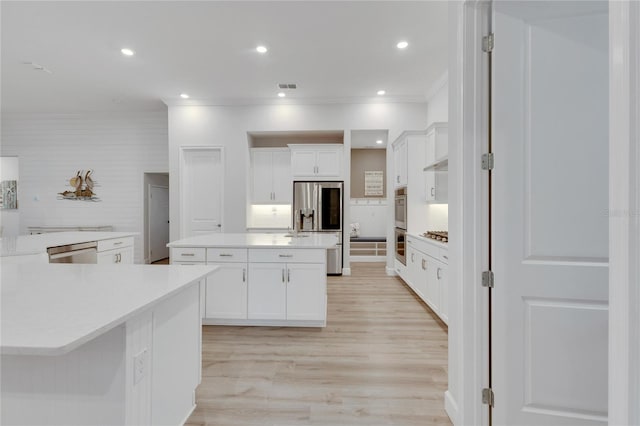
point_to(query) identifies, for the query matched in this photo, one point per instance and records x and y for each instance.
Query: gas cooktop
(442, 236)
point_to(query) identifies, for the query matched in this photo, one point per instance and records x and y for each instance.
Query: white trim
(291, 101)
(439, 84)
(346, 271)
(451, 407)
(184, 148)
(468, 325)
(624, 213)
(390, 271)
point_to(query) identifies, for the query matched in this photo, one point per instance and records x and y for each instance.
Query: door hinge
(487, 279)
(487, 43)
(487, 161)
(487, 396)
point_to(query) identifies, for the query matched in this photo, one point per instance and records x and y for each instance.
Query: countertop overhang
(51, 309)
(317, 240)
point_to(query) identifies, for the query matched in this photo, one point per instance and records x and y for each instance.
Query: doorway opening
(156, 217)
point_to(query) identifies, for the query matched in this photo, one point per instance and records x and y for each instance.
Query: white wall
(118, 147)
(227, 126)
(10, 218)
(438, 111)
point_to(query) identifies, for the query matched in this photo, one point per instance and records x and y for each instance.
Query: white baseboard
(190, 411)
(390, 271)
(346, 271)
(451, 407)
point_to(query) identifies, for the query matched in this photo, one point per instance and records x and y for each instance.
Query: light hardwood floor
(381, 360)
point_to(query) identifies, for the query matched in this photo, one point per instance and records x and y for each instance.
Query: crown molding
(439, 84)
(292, 101)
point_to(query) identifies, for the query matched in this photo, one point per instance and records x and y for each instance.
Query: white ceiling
(334, 52)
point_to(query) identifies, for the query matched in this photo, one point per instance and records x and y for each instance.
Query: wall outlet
(140, 366)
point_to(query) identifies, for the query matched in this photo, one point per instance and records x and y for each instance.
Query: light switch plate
(140, 366)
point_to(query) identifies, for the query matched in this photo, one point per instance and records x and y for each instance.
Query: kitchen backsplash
(437, 217)
(269, 216)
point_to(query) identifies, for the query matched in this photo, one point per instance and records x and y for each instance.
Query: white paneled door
(158, 222)
(549, 220)
(201, 173)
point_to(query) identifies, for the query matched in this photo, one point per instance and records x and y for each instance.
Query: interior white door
(201, 195)
(550, 203)
(158, 222)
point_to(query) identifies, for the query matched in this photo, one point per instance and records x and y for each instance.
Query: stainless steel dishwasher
(74, 253)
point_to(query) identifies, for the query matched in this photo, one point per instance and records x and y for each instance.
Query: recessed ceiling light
(184, 96)
(127, 52)
(402, 45)
(261, 49)
(379, 142)
(282, 94)
(381, 92)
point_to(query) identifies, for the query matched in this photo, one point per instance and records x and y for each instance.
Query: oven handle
(71, 253)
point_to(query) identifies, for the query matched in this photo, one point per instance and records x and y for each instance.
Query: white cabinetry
(400, 155)
(271, 176)
(226, 289)
(436, 174)
(426, 273)
(261, 286)
(287, 285)
(316, 161)
(116, 250)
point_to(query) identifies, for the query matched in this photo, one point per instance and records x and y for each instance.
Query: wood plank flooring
(381, 360)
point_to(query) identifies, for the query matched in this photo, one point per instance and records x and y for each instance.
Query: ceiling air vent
(287, 86)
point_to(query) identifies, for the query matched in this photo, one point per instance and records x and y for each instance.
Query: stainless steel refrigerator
(318, 207)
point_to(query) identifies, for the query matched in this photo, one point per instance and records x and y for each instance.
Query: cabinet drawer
(288, 256)
(115, 243)
(188, 254)
(444, 255)
(223, 255)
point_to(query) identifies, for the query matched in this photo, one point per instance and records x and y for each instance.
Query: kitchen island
(263, 279)
(99, 344)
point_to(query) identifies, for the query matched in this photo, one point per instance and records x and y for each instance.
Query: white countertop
(37, 244)
(430, 240)
(51, 309)
(256, 240)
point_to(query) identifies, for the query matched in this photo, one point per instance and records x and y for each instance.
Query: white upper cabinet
(271, 176)
(436, 159)
(316, 161)
(400, 156)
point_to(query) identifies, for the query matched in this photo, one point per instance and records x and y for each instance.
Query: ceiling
(334, 51)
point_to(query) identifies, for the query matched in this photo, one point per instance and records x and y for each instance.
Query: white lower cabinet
(287, 291)
(426, 274)
(261, 286)
(226, 291)
(268, 291)
(118, 250)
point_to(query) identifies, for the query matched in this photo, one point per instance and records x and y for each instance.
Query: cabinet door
(432, 295)
(306, 291)
(430, 157)
(404, 155)
(226, 294)
(303, 162)
(126, 255)
(328, 163)
(106, 257)
(423, 275)
(262, 177)
(267, 291)
(411, 265)
(443, 280)
(400, 164)
(282, 182)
